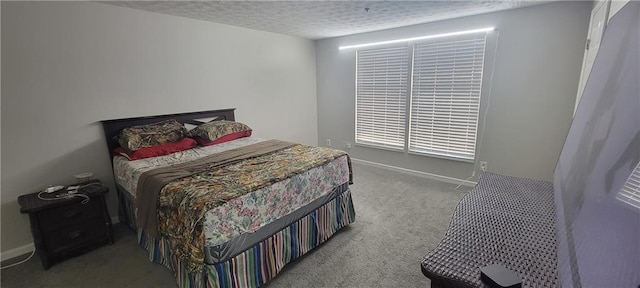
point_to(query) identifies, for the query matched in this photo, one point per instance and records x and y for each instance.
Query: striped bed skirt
(263, 261)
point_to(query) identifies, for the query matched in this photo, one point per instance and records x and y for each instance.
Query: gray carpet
(399, 218)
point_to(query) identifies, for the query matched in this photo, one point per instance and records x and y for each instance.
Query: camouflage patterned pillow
(214, 130)
(136, 137)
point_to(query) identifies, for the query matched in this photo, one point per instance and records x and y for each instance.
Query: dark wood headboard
(113, 127)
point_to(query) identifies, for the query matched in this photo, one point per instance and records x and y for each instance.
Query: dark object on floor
(64, 226)
(504, 220)
(496, 276)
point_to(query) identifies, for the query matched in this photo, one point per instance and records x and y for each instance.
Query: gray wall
(67, 65)
(537, 66)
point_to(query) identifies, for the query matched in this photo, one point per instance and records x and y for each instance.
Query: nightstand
(66, 227)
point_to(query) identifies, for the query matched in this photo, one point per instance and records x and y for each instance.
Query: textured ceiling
(323, 19)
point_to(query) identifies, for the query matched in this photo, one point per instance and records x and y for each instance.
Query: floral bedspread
(250, 212)
(184, 203)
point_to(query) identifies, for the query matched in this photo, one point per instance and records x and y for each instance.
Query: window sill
(442, 157)
(366, 145)
(424, 154)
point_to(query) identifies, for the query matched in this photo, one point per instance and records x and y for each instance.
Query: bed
(247, 207)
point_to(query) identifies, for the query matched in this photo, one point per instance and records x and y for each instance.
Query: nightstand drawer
(55, 218)
(88, 232)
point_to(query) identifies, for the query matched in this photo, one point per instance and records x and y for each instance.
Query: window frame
(410, 97)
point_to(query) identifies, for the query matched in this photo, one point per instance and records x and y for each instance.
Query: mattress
(241, 222)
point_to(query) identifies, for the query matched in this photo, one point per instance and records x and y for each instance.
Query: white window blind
(445, 100)
(381, 96)
(630, 192)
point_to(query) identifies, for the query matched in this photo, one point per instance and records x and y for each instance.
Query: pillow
(215, 132)
(159, 150)
(154, 134)
(225, 138)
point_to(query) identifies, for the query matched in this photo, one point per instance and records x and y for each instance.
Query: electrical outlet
(328, 142)
(348, 145)
(483, 166)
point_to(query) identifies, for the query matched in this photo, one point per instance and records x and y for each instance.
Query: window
(630, 192)
(445, 99)
(442, 99)
(382, 90)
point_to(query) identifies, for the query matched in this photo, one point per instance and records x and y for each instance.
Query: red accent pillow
(158, 150)
(225, 138)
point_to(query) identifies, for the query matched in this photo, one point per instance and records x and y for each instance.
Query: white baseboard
(416, 173)
(28, 248)
(15, 252)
